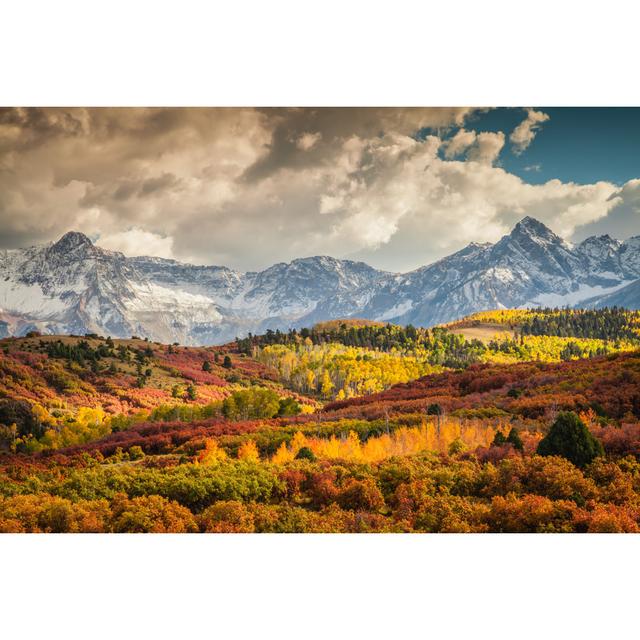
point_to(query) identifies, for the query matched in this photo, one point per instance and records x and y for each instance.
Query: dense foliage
(59, 392)
(130, 436)
(605, 324)
(343, 359)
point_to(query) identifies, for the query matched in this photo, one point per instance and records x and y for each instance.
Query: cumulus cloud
(250, 187)
(487, 147)
(522, 136)
(484, 147)
(105, 170)
(459, 143)
(137, 242)
(623, 220)
(337, 125)
(421, 204)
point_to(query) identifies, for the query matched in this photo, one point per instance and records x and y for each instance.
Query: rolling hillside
(100, 434)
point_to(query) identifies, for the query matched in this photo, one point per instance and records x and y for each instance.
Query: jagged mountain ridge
(73, 286)
(531, 266)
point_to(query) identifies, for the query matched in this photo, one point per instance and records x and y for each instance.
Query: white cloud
(137, 242)
(402, 211)
(522, 136)
(623, 220)
(459, 143)
(484, 147)
(487, 147)
(330, 204)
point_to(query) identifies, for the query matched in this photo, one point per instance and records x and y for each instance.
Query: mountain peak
(85, 288)
(71, 240)
(530, 226)
(602, 238)
(531, 230)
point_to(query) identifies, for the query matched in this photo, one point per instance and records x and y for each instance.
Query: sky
(246, 187)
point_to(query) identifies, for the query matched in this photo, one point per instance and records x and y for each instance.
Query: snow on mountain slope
(72, 286)
(630, 257)
(601, 253)
(531, 266)
(627, 296)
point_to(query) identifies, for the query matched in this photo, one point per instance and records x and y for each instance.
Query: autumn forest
(505, 421)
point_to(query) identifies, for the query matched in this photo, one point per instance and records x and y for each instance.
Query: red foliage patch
(163, 437)
(612, 383)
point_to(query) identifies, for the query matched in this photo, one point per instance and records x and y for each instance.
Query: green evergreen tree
(434, 410)
(305, 454)
(515, 439)
(499, 439)
(289, 407)
(570, 438)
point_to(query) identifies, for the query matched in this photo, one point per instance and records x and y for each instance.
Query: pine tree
(570, 438)
(515, 439)
(498, 440)
(305, 453)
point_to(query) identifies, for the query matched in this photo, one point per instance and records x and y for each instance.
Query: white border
(287, 52)
(121, 53)
(319, 586)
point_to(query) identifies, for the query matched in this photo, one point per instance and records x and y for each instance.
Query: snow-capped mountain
(72, 286)
(531, 266)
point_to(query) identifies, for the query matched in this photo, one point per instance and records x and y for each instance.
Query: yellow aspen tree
(310, 379)
(331, 447)
(352, 449)
(326, 386)
(212, 453)
(282, 455)
(298, 441)
(374, 450)
(432, 436)
(89, 415)
(248, 452)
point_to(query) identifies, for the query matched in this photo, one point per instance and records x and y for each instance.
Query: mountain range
(73, 286)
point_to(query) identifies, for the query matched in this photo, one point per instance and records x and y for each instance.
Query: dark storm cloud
(37, 125)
